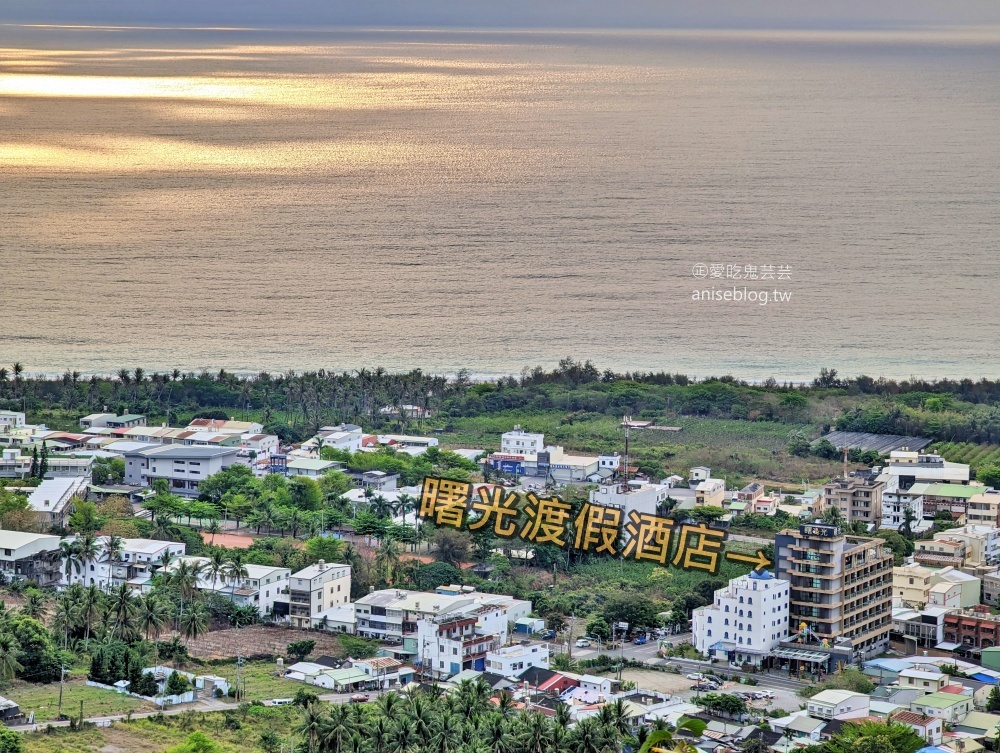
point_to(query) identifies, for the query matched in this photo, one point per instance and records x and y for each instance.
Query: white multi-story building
(217, 426)
(10, 419)
(894, 507)
(52, 500)
(449, 644)
(637, 496)
(392, 614)
(838, 704)
(906, 468)
(746, 621)
(315, 589)
(183, 467)
(513, 660)
(263, 587)
(136, 560)
(520, 442)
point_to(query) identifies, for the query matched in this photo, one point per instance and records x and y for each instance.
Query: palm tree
(89, 549)
(195, 621)
(387, 560)
(213, 528)
(34, 605)
(69, 553)
(185, 579)
(10, 652)
(311, 724)
(123, 610)
(663, 739)
(66, 617)
(216, 566)
(90, 606)
(236, 569)
(153, 613)
(113, 548)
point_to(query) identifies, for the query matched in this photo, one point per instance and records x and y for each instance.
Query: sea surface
(272, 199)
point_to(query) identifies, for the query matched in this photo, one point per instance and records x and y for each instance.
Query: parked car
(359, 698)
(548, 634)
(705, 686)
(640, 641)
(582, 643)
(695, 676)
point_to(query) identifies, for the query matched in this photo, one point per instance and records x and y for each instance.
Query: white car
(582, 643)
(695, 676)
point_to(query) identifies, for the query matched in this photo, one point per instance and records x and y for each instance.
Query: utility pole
(62, 676)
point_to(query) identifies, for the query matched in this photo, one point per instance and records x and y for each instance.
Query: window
(709, 617)
(727, 620)
(727, 636)
(741, 600)
(709, 633)
(750, 600)
(750, 615)
(749, 641)
(727, 607)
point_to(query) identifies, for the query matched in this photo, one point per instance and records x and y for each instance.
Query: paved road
(764, 679)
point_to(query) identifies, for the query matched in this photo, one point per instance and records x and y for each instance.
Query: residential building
(217, 426)
(984, 509)
(972, 629)
(698, 474)
(751, 492)
(262, 445)
(520, 442)
(96, 420)
(766, 505)
(403, 441)
(136, 561)
(939, 497)
(838, 704)
(183, 467)
(710, 492)
(449, 644)
(930, 729)
(948, 707)
(52, 500)
(316, 589)
(312, 467)
(909, 468)
(924, 679)
(916, 586)
(840, 587)
(631, 496)
(126, 421)
(11, 419)
(345, 437)
(970, 548)
(513, 660)
(919, 628)
(858, 497)
(29, 556)
(15, 465)
(991, 588)
(265, 587)
(910, 585)
(393, 615)
(746, 621)
(894, 510)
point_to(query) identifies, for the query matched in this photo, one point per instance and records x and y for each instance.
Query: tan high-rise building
(859, 498)
(840, 587)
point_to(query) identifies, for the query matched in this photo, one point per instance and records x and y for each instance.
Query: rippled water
(268, 200)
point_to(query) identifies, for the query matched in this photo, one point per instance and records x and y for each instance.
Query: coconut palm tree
(89, 550)
(34, 605)
(236, 569)
(216, 566)
(69, 553)
(195, 621)
(311, 724)
(122, 610)
(10, 652)
(90, 607)
(387, 560)
(66, 617)
(663, 739)
(152, 615)
(213, 528)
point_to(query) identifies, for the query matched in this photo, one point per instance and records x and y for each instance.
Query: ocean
(751, 203)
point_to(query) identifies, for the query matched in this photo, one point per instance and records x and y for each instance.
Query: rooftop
(940, 700)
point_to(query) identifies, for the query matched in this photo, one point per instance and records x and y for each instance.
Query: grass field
(43, 700)
(261, 684)
(240, 733)
(738, 451)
